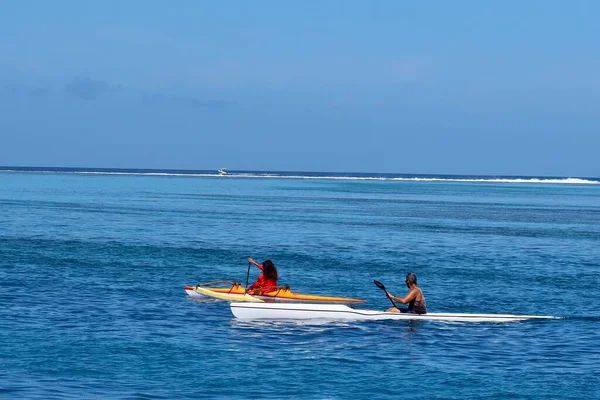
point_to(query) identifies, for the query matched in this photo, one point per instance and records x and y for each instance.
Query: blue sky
(463, 87)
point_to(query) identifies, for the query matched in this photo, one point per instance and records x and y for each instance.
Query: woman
(267, 281)
(415, 299)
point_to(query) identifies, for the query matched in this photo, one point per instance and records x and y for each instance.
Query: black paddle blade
(379, 285)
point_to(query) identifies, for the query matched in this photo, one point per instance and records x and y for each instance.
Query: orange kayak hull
(280, 294)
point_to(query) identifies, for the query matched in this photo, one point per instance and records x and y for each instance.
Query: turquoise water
(92, 269)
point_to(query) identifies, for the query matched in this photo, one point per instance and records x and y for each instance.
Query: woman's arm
(251, 260)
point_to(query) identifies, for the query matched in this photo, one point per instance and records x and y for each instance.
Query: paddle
(248, 275)
(380, 286)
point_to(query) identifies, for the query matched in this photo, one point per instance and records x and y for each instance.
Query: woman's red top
(264, 284)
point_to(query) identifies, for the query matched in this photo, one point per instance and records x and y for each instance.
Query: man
(415, 299)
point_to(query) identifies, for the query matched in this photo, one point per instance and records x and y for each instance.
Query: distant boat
(222, 171)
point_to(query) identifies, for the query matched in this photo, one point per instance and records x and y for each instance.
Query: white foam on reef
(266, 175)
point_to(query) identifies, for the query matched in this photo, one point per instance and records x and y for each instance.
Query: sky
(438, 87)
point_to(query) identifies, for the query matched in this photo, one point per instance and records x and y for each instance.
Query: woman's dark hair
(411, 277)
(269, 270)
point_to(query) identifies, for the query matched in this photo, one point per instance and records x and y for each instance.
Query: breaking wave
(310, 175)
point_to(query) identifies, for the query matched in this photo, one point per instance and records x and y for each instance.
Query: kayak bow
(227, 296)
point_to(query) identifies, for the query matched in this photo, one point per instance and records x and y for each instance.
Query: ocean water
(92, 269)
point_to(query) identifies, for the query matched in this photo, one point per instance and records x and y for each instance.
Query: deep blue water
(92, 269)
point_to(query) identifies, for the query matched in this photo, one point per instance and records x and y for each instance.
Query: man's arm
(406, 299)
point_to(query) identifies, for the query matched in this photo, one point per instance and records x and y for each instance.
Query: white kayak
(295, 311)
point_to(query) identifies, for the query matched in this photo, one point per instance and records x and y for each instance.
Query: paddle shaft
(382, 287)
(248, 275)
(389, 297)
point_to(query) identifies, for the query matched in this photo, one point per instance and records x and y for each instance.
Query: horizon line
(180, 170)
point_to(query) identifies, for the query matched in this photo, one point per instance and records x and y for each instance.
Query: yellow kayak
(238, 293)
